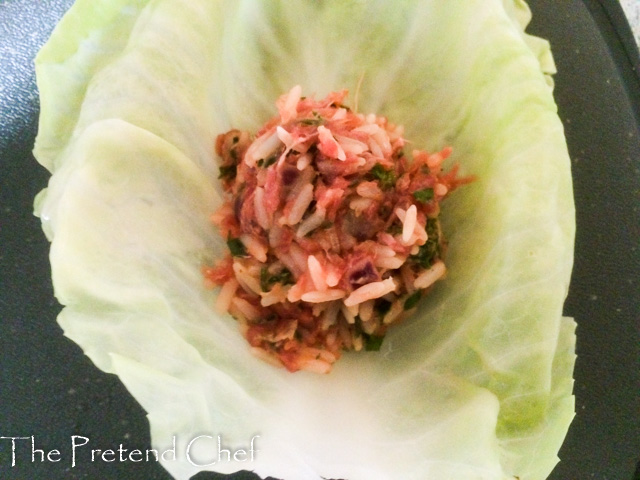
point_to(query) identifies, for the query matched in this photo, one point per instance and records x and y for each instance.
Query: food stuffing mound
(333, 232)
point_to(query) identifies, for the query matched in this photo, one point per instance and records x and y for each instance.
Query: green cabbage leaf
(476, 385)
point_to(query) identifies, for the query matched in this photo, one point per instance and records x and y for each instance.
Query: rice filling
(333, 232)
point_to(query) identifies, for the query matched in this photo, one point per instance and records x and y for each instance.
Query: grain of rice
(326, 296)
(300, 204)
(255, 247)
(420, 233)
(275, 236)
(330, 316)
(326, 136)
(370, 128)
(318, 308)
(348, 314)
(360, 204)
(374, 146)
(351, 145)
(397, 308)
(261, 213)
(340, 114)
(382, 139)
(317, 273)
(277, 294)
(440, 189)
(370, 291)
(296, 291)
(390, 263)
(333, 276)
(262, 148)
(327, 356)
(304, 161)
(284, 136)
(332, 340)
(434, 161)
(383, 251)
(360, 162)
(357, 343)
(226, 294)
(389, 297)
(317, 366)
(409, 224)
(369, 190)
(288, 261)
(249, 312)
(287, 104)
(366, 310)
(299, 256)
(370, 326)
(429, 277)
(248, 282)
(310, 223)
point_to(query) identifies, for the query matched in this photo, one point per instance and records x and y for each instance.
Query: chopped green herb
(372, 343)
(426, 254)
(267, 280)
(311, 121)
(316, 120)
(236, 247)
(268, 162)
(412, 300)
(387, 178)
(423, 195)
(228, 172)
(431, 249)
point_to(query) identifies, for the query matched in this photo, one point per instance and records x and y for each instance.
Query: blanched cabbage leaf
(477, 385)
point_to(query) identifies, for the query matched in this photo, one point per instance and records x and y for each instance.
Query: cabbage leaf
(477, 385)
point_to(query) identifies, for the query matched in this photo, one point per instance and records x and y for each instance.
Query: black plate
(51, 391)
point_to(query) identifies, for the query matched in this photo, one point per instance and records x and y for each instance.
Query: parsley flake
(386, 178)
(423, 195)
(236, 247)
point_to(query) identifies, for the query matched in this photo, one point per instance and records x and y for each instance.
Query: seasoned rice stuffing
(333, 233)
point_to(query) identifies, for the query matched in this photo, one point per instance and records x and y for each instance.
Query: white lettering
(54, 453)
(111, 454)
(155, 454)
(13, 447)
(135, 452)
(252, 449)
(121, 451)
(242, 453)
(223, 450)
(74, 445)
(188, 452)
(172, 451)
(94, 453)
(35, 450)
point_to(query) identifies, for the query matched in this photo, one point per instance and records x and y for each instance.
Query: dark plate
(50, 391)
